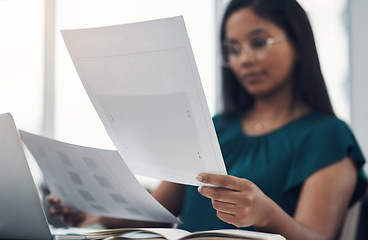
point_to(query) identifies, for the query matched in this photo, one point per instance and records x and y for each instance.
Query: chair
(362, 228)
(355, 225)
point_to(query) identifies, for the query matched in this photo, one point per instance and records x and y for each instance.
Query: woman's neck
(269, 114)
(281, 104)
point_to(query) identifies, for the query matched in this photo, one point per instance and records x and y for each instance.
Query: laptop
(21, 213)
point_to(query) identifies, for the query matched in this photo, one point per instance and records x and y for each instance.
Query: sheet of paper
(143, 81)
(94, 180)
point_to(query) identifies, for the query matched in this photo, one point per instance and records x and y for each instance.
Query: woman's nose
(246, 54)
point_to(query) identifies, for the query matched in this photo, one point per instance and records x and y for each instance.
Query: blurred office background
(41, 88)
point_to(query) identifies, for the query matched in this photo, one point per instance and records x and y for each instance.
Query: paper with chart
(94, 180)
(144, 84)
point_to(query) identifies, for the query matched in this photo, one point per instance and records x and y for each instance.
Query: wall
(358, 16)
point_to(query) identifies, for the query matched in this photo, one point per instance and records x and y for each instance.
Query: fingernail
(199, 189)
(199, 178)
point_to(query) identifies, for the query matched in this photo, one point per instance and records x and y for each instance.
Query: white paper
(94, 180)
(143, 81)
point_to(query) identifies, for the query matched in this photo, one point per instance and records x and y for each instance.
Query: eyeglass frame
(246, 45)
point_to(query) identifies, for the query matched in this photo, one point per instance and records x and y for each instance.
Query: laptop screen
(21, 214)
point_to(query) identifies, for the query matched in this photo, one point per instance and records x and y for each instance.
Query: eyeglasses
(256, 47)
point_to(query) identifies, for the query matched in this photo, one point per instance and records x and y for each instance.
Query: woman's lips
(253, 77)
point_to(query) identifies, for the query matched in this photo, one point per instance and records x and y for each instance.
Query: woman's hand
(71, 218)
(169, 194)
(237, 201)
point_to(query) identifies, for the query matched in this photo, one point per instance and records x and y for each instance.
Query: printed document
(94, 180)
(144, 84)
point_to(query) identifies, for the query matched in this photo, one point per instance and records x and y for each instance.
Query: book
(179, 234)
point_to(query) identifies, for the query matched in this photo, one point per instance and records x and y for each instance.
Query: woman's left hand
(238, 201)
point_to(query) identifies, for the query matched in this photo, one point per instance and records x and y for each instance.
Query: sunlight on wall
(76, 119)
(331, 34)
(21, 64)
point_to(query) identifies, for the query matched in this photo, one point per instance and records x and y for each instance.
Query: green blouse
(278, 162)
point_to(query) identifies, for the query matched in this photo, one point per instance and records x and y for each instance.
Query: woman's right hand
(72, 218)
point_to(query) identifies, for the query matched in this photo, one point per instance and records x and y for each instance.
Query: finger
(219, 194)
(79, 218)
(224, 207)
(66, 210)
(74, 219)
(59, 210)
(52, 200)
(232, 219)
(225, 181)
(226, 217)
(55, 211)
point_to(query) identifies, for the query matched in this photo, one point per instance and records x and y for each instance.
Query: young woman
(293, 167)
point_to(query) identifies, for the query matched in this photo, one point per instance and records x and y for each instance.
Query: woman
(293, 167)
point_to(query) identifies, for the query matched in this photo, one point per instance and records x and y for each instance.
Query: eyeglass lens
(255, 47)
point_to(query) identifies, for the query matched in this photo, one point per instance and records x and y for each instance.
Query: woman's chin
(257, 92)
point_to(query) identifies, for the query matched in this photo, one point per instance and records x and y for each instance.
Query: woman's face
(263, 70)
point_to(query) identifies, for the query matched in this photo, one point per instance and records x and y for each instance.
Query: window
(76, 119)
(331, 35)
(21, 64)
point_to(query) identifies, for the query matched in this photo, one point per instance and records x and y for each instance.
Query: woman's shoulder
(319, 131)
(323, 140)
(323, 123)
